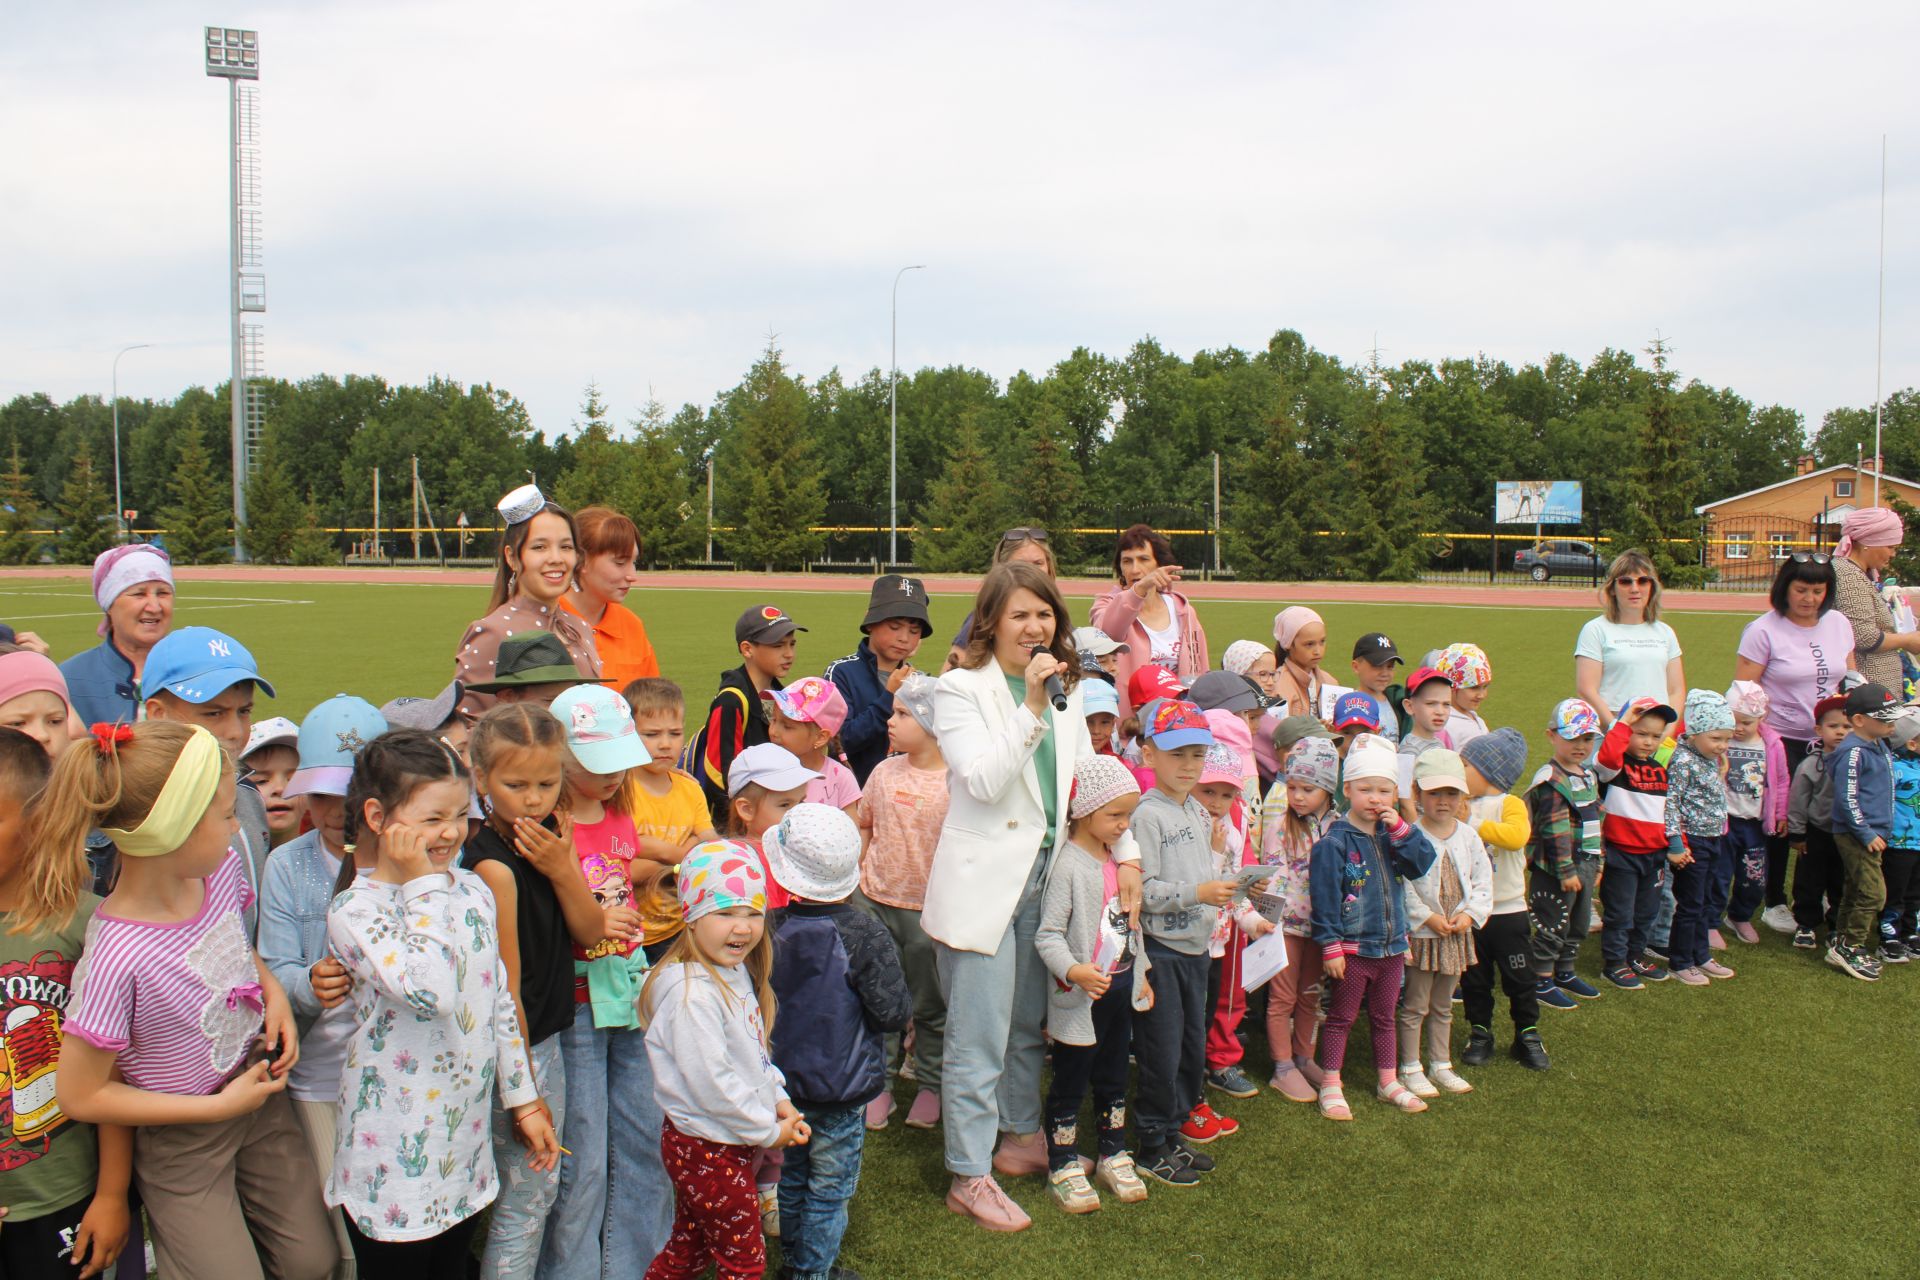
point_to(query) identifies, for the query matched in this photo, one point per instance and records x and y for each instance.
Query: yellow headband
(182, 803)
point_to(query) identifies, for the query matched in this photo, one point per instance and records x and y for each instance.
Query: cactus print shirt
(435, 1032)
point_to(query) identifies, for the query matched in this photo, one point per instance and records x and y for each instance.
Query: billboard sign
(1536, 502)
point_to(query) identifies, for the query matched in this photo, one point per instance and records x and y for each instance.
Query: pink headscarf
(119, 569)
(29, 672)
(1289, 621)
(1229, 730)
(1870, 527)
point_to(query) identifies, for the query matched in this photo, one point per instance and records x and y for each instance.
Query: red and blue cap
(1170, 723)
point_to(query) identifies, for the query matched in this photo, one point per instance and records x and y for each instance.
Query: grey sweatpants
(996, 1042)
(923, 981)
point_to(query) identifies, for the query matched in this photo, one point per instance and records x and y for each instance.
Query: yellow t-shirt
(676, 816)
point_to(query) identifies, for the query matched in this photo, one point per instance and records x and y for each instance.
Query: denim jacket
(1359, 908)
(294, 897)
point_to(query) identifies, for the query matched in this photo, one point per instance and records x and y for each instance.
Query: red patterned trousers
(716, 1214)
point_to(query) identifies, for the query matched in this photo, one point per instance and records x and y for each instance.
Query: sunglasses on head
(1024, 534)
(1810, 557)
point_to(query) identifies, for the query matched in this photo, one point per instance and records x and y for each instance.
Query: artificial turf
(1759, 1126)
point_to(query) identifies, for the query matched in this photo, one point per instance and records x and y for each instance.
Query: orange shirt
(621, 640)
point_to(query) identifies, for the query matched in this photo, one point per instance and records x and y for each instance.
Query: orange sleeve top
(620, 638)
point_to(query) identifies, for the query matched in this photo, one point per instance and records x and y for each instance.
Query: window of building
(1739, 546)
(1843, 488)
(1780, 545)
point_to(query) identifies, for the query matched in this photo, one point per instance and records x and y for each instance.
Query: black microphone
(1056, 691)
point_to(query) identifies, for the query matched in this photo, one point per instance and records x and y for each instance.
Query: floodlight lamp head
(233, 53)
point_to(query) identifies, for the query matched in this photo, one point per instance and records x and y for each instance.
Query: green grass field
(1757, 1127)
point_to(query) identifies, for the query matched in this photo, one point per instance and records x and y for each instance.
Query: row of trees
(1327, 468)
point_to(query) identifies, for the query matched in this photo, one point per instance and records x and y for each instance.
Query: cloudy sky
(638, 193)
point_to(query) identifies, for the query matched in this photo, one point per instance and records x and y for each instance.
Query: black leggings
(1777, 845)
(442, 1257)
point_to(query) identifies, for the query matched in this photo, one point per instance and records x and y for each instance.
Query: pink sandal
(1333, 1103)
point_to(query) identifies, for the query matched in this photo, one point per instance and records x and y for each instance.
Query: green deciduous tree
(770, 485)
(85, 510)
(965, 509)
(197, 520)
(19, 512)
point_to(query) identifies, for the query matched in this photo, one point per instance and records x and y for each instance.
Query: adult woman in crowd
(1798, 650)
(133, 585)
(539, 563)
(1143, 612)
(1022, 544)
(1626, 652)
(1010, 757)
(1868, 539)
(609, 547)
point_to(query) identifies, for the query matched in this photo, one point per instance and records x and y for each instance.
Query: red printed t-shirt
(605, 850)
(180, 1004)
(47, 1161)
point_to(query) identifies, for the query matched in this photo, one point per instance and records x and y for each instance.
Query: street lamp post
(119, 504)
(893, 423)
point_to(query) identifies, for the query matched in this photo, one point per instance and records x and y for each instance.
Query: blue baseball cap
(1097, 695)
(1172, 723)
(1356, 709)
(330, 737)
(198, 664)
(600, 730)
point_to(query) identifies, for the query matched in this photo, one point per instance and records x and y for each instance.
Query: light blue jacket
(294, 898)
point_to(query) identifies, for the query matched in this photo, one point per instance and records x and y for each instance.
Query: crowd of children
(541, 963)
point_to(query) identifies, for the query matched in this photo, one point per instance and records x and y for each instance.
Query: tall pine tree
(670, 522)
(311, 544)
(85, 510)
(197, 522)
(19, 512)
(1277, 503)
(965, 508)
(770, 485)
(273, 508)
(1384, 505)
(1050, 491)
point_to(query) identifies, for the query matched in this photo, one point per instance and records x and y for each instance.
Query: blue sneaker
(1574, 985)
(1625, 978)
(1551, 996)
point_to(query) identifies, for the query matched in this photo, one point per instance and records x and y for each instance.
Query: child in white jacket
(1444, 907)
(708, 1009)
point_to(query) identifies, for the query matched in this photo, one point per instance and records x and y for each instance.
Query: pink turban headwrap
(1288, 622)
(1870, 527)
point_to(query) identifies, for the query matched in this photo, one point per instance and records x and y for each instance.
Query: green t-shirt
(47, 1162)
(1045, 761)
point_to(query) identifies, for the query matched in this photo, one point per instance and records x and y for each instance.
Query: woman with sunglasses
(1144, 613)
(1627, 652)
(1869, 538)
(1798, 651)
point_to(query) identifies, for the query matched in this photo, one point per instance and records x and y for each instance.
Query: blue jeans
(1687, 944)
(526, 1196)
(1746, 841)
(615, 1205)
(995, 1046)
(816, 1182)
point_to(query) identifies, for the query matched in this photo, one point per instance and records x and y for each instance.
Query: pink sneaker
(880, 1110)
(1714, 969)
(925, 1111)
(1311, 1070)
(1291, 1083)
(1019, 1157)
(982, 1200)
(1714, 941)
(1691, 977)
(1746, 932)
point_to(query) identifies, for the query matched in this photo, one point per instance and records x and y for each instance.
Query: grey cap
(916, 695)
(1223, 691)
(426, 714)
(1499, 756)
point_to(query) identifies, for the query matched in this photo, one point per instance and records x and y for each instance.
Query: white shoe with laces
(1778, 918)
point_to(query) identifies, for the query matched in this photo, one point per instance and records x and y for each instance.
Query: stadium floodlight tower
(234, 55)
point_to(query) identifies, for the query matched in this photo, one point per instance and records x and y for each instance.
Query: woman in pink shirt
(1156, 623)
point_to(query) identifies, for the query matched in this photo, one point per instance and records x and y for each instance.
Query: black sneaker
(1853, 961)
(1479, 1048)
(1198, 1161)
(1623, 976)
(1574, 985)
(1528, 1051)
(1804, 939)
(1163, 1165)
(1893, 951)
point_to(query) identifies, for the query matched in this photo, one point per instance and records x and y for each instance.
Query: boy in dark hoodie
(737, 719)
(1862, 825)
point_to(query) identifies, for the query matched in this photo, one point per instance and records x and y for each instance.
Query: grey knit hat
(1316, 762)
(1499, 756)
(916, 695)
(1097, 782)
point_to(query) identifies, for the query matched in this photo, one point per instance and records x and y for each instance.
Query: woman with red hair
(609, 566)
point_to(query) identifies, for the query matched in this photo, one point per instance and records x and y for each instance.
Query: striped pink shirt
(179, 1003)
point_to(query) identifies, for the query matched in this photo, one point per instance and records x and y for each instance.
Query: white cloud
(638, 193)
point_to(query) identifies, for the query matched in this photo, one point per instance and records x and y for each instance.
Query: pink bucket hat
(813, 700)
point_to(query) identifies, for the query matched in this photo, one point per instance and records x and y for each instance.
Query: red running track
(1511, 597)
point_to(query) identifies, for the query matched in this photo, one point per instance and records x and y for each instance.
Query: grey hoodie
(711, 1071)
(1176, 857)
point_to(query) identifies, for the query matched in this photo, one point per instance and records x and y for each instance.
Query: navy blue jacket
(1354, 881)
(869, 706)
(838, 984)
(1862, 789)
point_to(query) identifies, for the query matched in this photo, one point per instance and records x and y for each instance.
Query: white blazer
(996, 819)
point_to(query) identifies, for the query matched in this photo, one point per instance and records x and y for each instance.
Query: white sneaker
(1779, 919)
(770, 1212)
(1417, 1083)
(1117, 1174)
(1447, 1078)
(1071, 1190)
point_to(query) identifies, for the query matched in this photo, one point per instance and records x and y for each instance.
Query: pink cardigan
(1118, 614)
(1773, 801)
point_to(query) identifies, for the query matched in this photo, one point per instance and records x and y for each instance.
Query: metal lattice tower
(233, 54)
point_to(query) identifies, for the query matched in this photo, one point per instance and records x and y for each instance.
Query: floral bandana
(1465, 666)
(721, 874)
